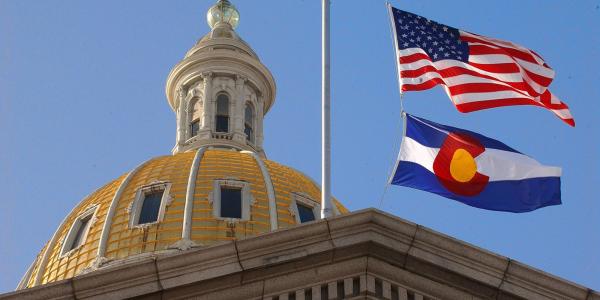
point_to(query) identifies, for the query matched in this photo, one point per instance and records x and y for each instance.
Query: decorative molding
(68, 239)
(270, 190)
(137, 203)
(240, 79)
(189, 196)
(366, 247)
(96, 264)
(299, 197)
(215, 198)
(184, 244)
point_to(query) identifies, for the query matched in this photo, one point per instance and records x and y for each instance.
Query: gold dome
(126, 242)
(209, 191)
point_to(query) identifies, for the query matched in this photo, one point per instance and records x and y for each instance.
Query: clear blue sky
(82, 102)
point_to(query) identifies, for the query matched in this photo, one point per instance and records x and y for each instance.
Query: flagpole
(326, 205)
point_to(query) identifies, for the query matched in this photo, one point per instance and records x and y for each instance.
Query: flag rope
(392, 167)
(394, 163)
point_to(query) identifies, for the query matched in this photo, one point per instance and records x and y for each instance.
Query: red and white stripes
(498, 73)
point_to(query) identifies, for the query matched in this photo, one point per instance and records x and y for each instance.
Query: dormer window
(249, 122)
(150, 207)
(195, 117)
(194, 128)
(231, 199)
(231, 202)
(149, 204)
(304, 209)
(78, 232)
(222, 116)
(305, 213)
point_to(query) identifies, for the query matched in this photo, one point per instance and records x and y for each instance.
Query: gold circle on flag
(462, 166)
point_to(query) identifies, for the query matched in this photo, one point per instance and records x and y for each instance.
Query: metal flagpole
(326, 205)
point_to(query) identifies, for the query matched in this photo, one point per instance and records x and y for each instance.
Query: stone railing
(221, 136)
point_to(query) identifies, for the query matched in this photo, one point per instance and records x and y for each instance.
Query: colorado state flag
(473, 169)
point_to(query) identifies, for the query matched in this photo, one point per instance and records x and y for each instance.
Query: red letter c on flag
(455, 165)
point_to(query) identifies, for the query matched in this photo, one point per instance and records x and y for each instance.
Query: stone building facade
(366, 254)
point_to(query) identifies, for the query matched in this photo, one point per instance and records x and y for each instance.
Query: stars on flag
(437, 40)
(478, 72)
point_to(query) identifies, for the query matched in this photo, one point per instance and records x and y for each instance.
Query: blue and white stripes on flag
(473, 169)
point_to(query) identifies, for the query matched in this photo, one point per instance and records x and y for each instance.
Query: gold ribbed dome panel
(66, 266)
(126, 242)
(222, 164)
(286, 182)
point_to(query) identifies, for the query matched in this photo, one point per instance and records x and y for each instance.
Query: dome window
(305, 213)
(231, 199)
(249, 122)
(149, 204)
(231, 202)
(194, 127)
(304, 209)
(78, 232)
(195, 116)
(222, 116)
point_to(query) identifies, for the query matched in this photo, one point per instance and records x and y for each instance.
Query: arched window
(249, 122)
(222, 117)
(195, 117)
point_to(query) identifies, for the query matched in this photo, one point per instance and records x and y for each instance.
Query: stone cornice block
(284, 245)
(197, 265)
(128, 279)
(525, 280)
(371, 226)
(459, 257)
(62, 290)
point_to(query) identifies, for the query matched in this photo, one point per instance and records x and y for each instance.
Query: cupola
(220, 91)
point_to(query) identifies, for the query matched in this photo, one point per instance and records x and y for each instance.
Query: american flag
(477, 72)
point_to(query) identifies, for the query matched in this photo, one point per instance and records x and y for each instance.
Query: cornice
(369, 239)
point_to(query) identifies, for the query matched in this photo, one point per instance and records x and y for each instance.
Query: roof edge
(406, 245)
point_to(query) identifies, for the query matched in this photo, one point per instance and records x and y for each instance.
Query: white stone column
(207, 103)
(237, 110)
(260, 103)
(180, 112)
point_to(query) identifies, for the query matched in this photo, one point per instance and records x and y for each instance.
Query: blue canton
(437, 40)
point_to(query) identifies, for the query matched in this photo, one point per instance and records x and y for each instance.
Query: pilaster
(180, 112)
(208, 101)
(237, 110)
(207, 106)
(259, 120)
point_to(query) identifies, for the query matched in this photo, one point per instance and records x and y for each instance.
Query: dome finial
(223, 12)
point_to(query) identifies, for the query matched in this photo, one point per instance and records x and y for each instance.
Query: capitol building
(216, 219)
